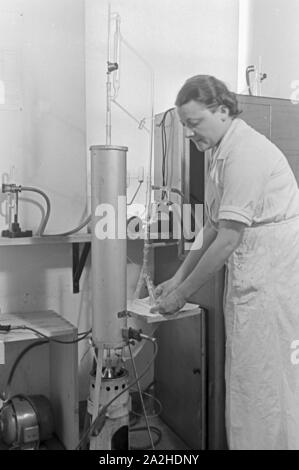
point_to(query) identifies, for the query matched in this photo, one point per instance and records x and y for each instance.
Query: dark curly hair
(209, 91)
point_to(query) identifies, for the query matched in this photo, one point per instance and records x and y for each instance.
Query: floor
(168, 440)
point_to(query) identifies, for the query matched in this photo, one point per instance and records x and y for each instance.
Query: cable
(144, 428)
(6, 393)
(167, 148)
(170, 149)
(172, 190)
(82, 335)
(44, 221)
(136, 192)
(40, 232)
(164, 148)
(103, 410)
(33, 345)
(155, 400)
(141, 398)
(70, 232)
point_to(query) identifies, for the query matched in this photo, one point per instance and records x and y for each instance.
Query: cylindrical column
(109, 244)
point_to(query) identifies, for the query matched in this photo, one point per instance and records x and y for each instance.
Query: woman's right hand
(167, 287)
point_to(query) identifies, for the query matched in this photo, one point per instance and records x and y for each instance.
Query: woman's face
(204, 127)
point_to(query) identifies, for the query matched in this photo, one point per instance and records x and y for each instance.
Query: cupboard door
(257, 113)
(285, 131)
(179, 377)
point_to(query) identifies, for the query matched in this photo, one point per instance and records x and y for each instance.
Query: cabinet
(280, 123)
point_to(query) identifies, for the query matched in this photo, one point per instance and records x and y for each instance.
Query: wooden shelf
(47, 240)
(79, 260)
(47, 322)
(80, 238)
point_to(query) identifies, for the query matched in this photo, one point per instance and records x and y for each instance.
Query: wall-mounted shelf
(79, 259)
(79, 238)
(47, 240)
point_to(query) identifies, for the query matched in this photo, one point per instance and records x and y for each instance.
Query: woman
(252, 204)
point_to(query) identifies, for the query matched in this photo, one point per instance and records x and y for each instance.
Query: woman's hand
(170, 303)
(166, 287)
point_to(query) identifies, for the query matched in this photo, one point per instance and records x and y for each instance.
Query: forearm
(212, 261)
(199, 247)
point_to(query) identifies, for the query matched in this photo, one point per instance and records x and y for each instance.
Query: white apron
(262, 323)
(249, 177)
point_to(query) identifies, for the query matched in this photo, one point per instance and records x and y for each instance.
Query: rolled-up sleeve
(244, 177)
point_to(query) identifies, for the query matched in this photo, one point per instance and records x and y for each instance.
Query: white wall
(178, 38)
(42, 62)
(271, 32)
(42, 52)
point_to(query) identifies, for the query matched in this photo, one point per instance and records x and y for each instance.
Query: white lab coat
(250, 181)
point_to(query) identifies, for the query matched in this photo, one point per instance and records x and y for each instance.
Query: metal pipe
(140, 123)
(109, 249)
(108, 83)
(116, 57)
(147, 244)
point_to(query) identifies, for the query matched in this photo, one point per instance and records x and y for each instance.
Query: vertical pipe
(109, 244)
(108, 83)
(243, 45)
(116, 57)
(147, 242)
(108, 110)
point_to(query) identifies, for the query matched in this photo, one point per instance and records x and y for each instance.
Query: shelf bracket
(79, 261)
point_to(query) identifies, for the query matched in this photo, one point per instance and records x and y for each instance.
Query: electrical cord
(82, 335)
(135, 194)
(144, 428)
(164, 148)
(169, 156)
(100, 419)
(141, 399)
(154, 415)
(6, 393)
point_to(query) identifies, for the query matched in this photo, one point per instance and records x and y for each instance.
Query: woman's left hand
(170, 303)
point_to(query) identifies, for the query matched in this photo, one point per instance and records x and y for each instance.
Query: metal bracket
(79, 263)
(124, 314)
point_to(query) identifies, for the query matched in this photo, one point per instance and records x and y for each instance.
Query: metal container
(109, 244)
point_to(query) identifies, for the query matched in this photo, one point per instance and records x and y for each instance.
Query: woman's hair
(209, 91)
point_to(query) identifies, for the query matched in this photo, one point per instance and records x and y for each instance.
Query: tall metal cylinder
(109, 244)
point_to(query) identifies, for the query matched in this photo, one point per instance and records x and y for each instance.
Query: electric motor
(25, 421)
